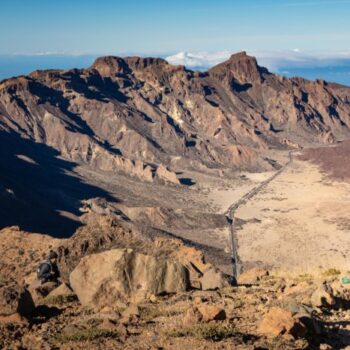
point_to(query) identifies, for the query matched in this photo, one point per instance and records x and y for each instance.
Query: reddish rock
(252, 276)
(281, 322)
(192, 316)
(212, 313)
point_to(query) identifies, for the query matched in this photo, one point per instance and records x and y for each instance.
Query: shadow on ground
(36, 187)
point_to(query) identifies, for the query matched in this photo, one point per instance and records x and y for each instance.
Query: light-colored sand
(299, 223)
(222, 198)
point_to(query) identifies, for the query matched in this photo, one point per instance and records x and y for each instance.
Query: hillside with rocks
(133, 114)
(122, 290)
(128, 170)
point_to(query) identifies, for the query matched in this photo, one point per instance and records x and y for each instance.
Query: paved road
(230, 215)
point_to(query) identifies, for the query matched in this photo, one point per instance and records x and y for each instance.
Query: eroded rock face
(121, 275)
(165, 175)
(134, 114)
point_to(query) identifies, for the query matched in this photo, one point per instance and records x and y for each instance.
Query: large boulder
(16, 300)
(120, 275)
(192, 316)
(61, 291)
(213, 279)
(278, 322)
(212, 313)
(252, 276)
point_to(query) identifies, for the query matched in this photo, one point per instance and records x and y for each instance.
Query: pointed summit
(240, 66)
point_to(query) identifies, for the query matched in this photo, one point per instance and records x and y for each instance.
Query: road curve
(230, 215)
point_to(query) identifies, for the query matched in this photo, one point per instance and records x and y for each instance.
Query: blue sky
(117, 26)
(155, 27)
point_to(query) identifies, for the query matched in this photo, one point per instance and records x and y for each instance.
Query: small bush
(207, 331)
(60, 299)
(148, 314)
(87, 335)
(279, 343)
(305, 277)
(331, 272)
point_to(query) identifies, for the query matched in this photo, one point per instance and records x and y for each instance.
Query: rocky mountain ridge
(127, 122)
(133, 114)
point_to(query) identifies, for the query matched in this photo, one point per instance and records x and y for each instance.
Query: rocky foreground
(121, 290)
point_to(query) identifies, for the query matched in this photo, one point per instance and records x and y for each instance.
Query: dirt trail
(230, 214)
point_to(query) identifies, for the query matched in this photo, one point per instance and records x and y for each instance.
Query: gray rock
(213, 279)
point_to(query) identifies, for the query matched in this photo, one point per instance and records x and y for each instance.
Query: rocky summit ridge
(133, 114)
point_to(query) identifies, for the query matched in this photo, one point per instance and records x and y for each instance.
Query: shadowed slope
(36, 187)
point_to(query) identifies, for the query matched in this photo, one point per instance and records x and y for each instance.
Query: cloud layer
(274, 60)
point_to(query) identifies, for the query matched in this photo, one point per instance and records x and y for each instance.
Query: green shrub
(87, 335)
(331, 272)
(60, 299)
(148, 314)
(207, 331)
(305, 277)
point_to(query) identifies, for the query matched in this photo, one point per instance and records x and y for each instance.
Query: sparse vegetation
(148, 314)
(87, 335)
(305, 277)
(20, 252)
(207, 331)
(331, 272)
(279, 343)
(60, 299)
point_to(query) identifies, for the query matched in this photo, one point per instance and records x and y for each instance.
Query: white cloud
(273, 60)
(198, 59)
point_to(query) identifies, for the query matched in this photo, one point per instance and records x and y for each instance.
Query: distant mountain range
(326, 66)
(147, 119)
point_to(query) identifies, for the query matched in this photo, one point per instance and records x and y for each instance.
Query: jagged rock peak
(243, 67)
(241, 56)
(143, 62)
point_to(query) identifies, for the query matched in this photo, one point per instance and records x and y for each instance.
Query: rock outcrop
(15, 300)
(118, 276)
(252, 276)
(127, 114)
(322, 296)
(212, 279)
(281, 322)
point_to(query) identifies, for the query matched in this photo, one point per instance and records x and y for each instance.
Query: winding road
(230, 215)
